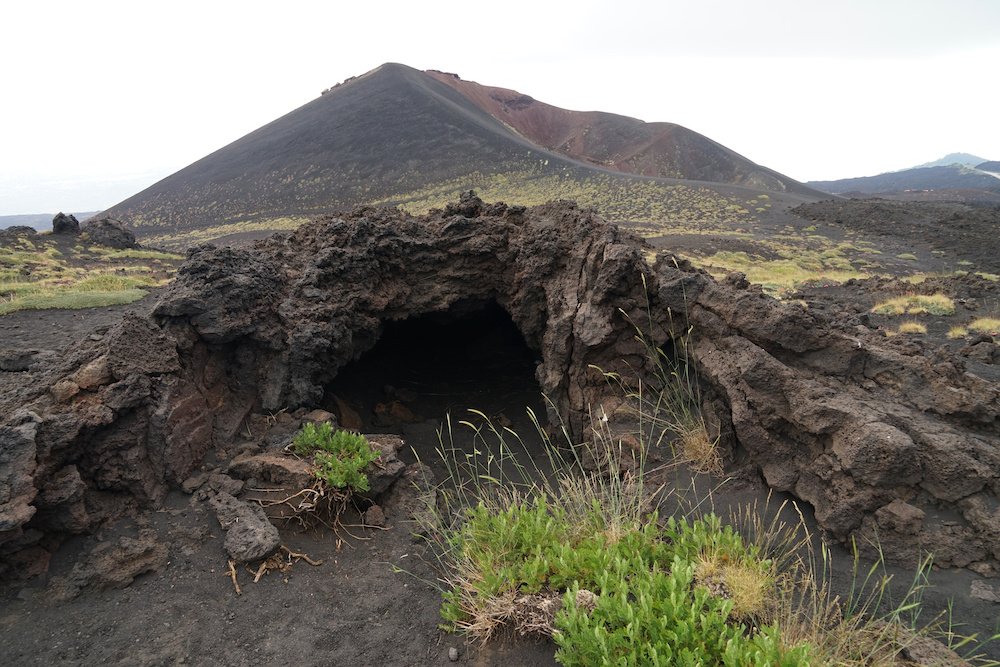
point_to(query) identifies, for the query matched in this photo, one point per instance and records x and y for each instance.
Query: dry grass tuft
(916, 304)
(986, 325)
(698, 450)
(912, 328)
(955, 333)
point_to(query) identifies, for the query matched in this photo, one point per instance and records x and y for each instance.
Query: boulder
(65, 224)
(109, 233)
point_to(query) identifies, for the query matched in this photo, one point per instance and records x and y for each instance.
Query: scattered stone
(388, 468)
(250, 536)
(320, 416)
(394, 414)
(65, 224)
(225, 484)
(374, 516)
(984, 591)
(349, 417)
(194, 482)
(453, 654)
(286, 471)
(921, 650)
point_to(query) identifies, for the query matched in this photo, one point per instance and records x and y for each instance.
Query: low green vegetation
(581, 551)
(36, 275)
(916, 304)
(640, 597)
(93, 290)
(619, 199)
(909, 256)
(134, 253)
(184, 238)
(793, 267)
(339, 458)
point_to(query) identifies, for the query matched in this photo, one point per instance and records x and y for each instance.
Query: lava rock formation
(877, 441)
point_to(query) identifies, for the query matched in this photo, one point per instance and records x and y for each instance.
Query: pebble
(453, 654)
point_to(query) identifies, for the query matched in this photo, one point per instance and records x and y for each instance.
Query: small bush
(955, 333)
(339, 457)
(907, 256)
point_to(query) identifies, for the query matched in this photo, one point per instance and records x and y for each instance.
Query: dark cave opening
(425, 368)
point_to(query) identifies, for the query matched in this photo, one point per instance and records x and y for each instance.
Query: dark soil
(375, 597)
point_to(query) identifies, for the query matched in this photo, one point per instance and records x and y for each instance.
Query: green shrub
(650, 608)
(339, 457)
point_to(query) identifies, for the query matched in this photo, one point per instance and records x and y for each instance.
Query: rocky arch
(317, 300)
(875, 437)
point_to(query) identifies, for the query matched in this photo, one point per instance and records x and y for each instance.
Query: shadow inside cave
(428, 370)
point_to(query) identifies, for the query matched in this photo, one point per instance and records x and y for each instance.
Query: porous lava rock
(250, 535)
(110, 233)
(877, 440)
(65, 224)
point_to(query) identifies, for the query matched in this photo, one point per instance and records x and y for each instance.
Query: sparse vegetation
(794, 268)
(986, 325)
(339, 457)
(582, 554)
(955, 333)
(909, 256)
(43, 276)
(916, 304)
(912, 328)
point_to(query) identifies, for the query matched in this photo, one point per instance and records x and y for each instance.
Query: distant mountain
(992, 167)
(965, 159)
(397, 135)
(40, 221)
(956, 181)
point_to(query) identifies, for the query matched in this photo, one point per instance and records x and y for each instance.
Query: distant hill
(397, 135)
(955, 181)
(992, 167)
(965, 159)
(40, 221)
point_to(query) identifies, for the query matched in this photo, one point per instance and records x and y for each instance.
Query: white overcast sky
(101, 99)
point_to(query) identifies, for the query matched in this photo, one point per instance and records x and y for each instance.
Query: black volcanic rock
(879, 441)
(110, 233)
(65, 224)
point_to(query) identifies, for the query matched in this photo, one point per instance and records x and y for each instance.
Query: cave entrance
(428, 367)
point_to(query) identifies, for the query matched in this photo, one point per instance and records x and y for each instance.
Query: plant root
(232, 575)
(282, 562)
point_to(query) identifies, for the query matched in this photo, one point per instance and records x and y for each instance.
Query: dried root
(282, 562)
(231, 573)
(309, 507)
